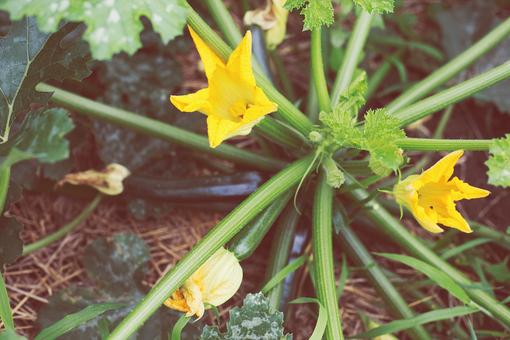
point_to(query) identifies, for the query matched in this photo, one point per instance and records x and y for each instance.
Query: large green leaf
(252, 321)
(112, 26)
(29, 57)
(499, 162)
(377, 5)
(127, 253)
(119, 267)
(40, 136)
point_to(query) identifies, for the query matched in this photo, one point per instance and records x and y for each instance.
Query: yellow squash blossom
(108, 181)
(431, 196)
(232, 102)
(216, 281)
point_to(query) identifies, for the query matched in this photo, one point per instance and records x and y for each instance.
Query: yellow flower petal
(198, 101)
(239, 63)
(218, 129)
(431, 196)
(209, 58)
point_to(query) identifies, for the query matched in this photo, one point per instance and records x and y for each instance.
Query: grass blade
(322, 319)
(5, 306)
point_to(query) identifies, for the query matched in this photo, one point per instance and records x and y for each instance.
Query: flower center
(238, 109)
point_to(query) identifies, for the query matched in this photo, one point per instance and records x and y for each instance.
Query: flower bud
(216, 281)
(272, 19)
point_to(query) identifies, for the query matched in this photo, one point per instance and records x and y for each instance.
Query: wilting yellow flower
(108, 180)
(232, 102)
(431, 196)
(272, 19)
(216, 281)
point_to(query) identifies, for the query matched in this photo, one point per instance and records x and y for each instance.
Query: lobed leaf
(112, 26)
(29, 57)
(499, 162)
(40, 136)
(377, 5)
(11, 245)
(316, 12)
(252, 321)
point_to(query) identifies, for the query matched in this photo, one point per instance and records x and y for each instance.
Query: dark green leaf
(113, 26)
(41, 136)
(30, 57)
(121, 266)
(253, 321)
(499, 162)
(399, 325)
(103, 324)
(316, 12)
(73, 320)
(11, 245)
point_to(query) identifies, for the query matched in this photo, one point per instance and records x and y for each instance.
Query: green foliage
(113, 26)
(316, 12)
(29, 57)
(378, 5)
(252, 321)
(119, 266)
(73, 320)
(9, 334)
(500, 271)
(40, 136)
(499, 162)
(434, 274)
(125, 259)
(11, 245)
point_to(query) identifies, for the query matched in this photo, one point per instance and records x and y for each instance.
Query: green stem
(5, 176)
(457, 93)
(323, 256)
(280, 250)
(5, 306)
(318, 72)
(286, 110)
(225, 22)
(398, 306)
(158, 129)
(449, 70)
(283, 76)
(354, 49)
(312, 103)
(426, 144)
(382, 218)
(65, 230)
(275, 132)
(217, 237)
(380, 74)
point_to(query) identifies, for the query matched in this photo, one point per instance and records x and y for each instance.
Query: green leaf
(499, 162)
(9, 334)
(30, 57)
(121, 266)
(11, 245)
(252, 321)
(399, 325)
(112, 26)
(73, 320)
(433, 273)
(316, 12)
(40, 136)
(381, 132)
(499, 271)
(378, 5)
(322, 319)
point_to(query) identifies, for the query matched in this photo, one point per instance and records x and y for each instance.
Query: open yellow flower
(232, 102)
(216, 281)
(431, 196)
